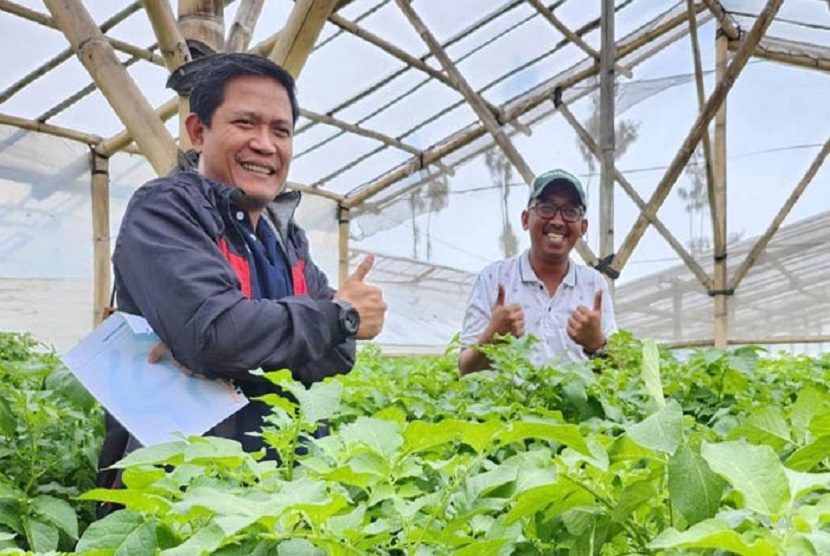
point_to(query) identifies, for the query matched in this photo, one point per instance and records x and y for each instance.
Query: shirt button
(240, 215)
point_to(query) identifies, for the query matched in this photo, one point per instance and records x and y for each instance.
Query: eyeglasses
(569, 213)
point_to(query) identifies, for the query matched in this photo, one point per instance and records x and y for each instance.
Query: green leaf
(41, 535)
(8, 422)
(205, 541)
(348, 522)
(568, 435)
(633, 497)
(420, 435)
(318, 402)
(490, 547)
(384, 437)
(121, 533)
(808, 457)
(810, 402)
(764, 426)
(820, 424)
(754, 471)
(479, 436)
(299, 547)
(651, 372)
(57, 512)
(484, 483)
(168, 452)
(534, 500)
(695, 491)
(662, 431)
(714, 534)
(10, 516)
(803, 483)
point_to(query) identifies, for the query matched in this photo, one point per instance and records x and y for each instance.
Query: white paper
(152, 401)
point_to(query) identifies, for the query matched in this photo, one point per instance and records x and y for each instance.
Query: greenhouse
(700, 130)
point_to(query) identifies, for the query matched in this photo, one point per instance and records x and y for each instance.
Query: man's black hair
(208, 91)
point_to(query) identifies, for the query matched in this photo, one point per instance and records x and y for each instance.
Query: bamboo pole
(607, 141)
(203, 21)
(57, 131)
(723, 19)
(100, 193)
(573, 37)
(403, 56)
(297, 38)
(171, 42)
(703, 119)
(314, 191)
(763, 241)
(115, 83)
(701, 101)
(522, 106)
(629, 189)
(242, 28)
(721, 302)
(799, 60)
(357, 130)
(343, 244)
(771, 340)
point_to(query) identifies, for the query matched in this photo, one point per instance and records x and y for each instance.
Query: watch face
(352, 321)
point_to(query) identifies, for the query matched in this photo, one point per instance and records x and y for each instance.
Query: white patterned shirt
(546, 316)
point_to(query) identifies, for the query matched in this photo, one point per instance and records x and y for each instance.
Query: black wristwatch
(347, 318)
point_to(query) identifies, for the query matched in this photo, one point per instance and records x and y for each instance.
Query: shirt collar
(528, 275)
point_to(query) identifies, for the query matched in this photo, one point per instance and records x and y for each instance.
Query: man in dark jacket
(214, 261)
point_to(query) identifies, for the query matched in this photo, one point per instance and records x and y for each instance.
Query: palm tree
(625, 133)
(434, 198)
(501, 172)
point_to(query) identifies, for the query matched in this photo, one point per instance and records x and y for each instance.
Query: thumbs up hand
(367, 299)
(505, 319)
(585, 325)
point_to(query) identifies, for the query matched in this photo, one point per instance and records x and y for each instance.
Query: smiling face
(552, 239)
(249, 142)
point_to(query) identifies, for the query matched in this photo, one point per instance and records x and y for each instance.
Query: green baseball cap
(552, 177)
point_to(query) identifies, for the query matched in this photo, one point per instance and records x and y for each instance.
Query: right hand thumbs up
(367, 299)
(505, 319)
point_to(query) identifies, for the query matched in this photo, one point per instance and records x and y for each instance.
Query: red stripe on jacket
(240, 266)
(298, 274)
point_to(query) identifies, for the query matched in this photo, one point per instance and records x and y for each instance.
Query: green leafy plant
(50, 434)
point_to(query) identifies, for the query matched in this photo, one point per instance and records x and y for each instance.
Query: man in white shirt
(542, 292)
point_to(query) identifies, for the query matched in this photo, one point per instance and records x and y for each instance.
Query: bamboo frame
(718, 207)
(57, 131)
(99, 58)
(687, 148)
(481, 110)
(203, 21)
(100, 194)
(573, 37)
(170, 41)
(759, 247)
(529, 102)
(701, 101)
(724, 22)
(607, 134)
(804, 61)
(343, 219)
(681, 251)
(357, 130)
(242, 28)
(771, 340)
(404, 57)
(297, 38)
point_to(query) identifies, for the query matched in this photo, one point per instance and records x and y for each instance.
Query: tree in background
(501, 172)
(626, 133)
(432, 197)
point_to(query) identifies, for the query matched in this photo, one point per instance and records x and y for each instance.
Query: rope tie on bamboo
(727, 291)
(604, 266)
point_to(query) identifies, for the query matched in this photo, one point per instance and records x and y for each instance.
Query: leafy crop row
(724, 452)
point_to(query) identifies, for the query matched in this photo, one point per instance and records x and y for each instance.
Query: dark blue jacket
(181, 263)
